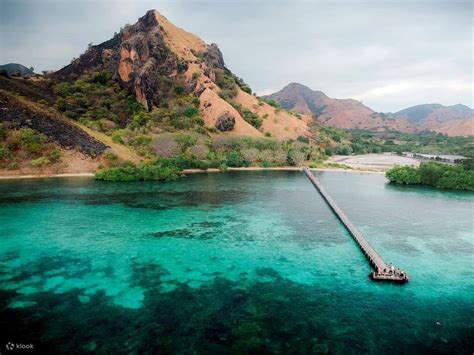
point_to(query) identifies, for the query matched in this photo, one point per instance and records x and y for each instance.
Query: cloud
(390, 54)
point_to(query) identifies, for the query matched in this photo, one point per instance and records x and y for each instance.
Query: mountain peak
(295, 85)
(157, 62)
(144, 56)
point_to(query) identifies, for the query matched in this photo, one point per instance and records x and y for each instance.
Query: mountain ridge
(352, 114)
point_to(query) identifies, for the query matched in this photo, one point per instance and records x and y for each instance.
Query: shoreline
(283, 168)
(44, 176)
(190, 172)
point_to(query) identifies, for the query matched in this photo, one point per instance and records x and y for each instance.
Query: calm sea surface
(241, 262)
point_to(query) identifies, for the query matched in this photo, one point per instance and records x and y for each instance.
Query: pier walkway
(382, 271)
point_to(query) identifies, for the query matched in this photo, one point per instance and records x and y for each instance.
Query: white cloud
(390, 54)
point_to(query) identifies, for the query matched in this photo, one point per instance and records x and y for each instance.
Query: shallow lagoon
(243, 261)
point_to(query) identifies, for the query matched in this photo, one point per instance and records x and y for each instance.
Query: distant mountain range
(16, 69)
(456, 120)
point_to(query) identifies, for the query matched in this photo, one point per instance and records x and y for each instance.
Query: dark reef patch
(224, 316)
(156, 200)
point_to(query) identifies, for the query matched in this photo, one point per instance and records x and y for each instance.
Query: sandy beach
(42, 176)
(192, 171)
(377, 162)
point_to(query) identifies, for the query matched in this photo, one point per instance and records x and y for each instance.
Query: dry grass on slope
(213, 106)
(457, 128)
(279, 123)
(180, 41)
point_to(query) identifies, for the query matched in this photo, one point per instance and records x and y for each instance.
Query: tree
(404, 175)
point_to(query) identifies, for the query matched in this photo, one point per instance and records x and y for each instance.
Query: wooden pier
(383, 271)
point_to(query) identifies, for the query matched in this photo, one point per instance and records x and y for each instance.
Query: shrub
(5, 154)
(100, 78)
(329, 151)
(295, 157)
(40, 162)
(344, 150)
(266, 156)
(280, 157)
(3, 132)
(226, 82)
(404, 175)
(303, 139)
(117, 137)
(182, 66)
(54, 155)
(250, 155)
(271, 102)
(157, 171)
(32, 141)
(251, 118)
(199, 151)
(191, 111)
(234, 159)
(179, 90)
(225, 122)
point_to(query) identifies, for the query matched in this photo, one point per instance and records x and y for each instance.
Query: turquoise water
(241, 262)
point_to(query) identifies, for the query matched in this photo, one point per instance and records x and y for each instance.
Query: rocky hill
(153, 92)
(453, 120)
(153, 59)
(16, 69)
(340, 113)
(351, 114)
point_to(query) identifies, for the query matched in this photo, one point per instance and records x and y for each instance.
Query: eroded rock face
(214, 60)
(225, 122)
(138, 58)
(148, 58)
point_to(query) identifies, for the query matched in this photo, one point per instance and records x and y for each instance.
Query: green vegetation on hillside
(26, 147)
(230, 83)
(247, 115)
(422, 142)
(179, 151)
(98, 102)
(159, 170)
(443, 176)
(345, 142)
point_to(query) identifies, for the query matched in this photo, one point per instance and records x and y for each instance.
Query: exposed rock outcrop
(137, 56)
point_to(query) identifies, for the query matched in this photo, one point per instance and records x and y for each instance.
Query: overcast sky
(390, 55)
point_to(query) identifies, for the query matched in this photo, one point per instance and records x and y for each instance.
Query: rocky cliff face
(142, 61)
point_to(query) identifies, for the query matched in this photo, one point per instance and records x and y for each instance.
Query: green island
(443, 176)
